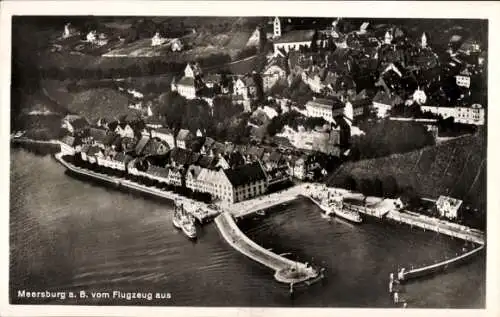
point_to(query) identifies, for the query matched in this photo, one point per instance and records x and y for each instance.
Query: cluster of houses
(387, 68)
(226, 171)
(175, 44)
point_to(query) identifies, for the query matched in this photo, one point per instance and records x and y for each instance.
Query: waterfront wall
(441, 266)
(200, 216)
(239, 241)
(439, 226)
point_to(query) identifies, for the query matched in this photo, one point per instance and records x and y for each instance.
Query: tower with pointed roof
(424, 40)
(277, 27)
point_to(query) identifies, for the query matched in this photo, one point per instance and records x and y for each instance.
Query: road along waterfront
(69, 234)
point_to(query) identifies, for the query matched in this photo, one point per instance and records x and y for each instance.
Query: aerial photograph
(255, 161)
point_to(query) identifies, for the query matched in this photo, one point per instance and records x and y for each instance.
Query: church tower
(277, 27)
(424, 40)
(388, 37)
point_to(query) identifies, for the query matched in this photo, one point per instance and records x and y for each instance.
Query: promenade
(199, 210)
(286, 270)
(248, 207)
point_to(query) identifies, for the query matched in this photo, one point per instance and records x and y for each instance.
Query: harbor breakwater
(286, 270)
(438, 267)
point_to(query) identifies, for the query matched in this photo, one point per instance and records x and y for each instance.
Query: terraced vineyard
(456, 168)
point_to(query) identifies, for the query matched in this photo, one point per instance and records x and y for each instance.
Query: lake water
(68, 234)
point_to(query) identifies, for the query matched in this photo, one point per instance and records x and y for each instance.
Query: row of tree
(386, 186)
(223, 121)
(293, 119)
(297, 91)
(389, 137)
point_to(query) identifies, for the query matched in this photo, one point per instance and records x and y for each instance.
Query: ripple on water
(71, 234)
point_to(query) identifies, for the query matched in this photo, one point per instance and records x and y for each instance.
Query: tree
(366, 186)
(377, 187)
(350, 183)
(390, 187)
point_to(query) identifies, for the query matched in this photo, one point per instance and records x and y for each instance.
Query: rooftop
(296, 36)
(245, 174)
(330, 103)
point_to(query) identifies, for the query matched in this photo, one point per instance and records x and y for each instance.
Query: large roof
(383, 98)
(330, 103)
(245, 174)
(183, 135)
(296, 36)
(186, 81)
(141, 144)
(158, 171)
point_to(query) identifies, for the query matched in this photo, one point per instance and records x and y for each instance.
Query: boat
(184, 222)
(333, 205)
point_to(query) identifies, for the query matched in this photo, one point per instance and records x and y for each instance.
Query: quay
(251, 206)
(286, 270)
(386, 209)
(200, 211)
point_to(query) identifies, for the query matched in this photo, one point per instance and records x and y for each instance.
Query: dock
(440, 266)
(251, 206)
(198, 210)
(286, 270)
(440, 226)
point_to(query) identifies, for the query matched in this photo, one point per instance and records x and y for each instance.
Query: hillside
(98, 103)
(456, 168)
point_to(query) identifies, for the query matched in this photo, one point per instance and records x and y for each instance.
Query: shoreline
(420, 221)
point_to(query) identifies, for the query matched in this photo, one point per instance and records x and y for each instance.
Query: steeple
(424, 40)
(388, 37)
(277, 27)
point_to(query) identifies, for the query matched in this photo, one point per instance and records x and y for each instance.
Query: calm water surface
(71, 235)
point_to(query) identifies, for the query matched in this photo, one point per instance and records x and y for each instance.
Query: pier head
(286, 270)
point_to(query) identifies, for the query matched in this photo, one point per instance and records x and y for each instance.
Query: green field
(456, 168)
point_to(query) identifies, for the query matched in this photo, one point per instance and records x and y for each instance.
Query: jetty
(386, 209)
(198, 210)
(404, 275)
(286, 270)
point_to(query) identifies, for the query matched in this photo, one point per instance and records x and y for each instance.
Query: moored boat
(332, 204)
(183, 221)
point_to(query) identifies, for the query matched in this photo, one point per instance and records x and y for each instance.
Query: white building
(183, 138)
(321, 141)
(463, 80)
(272, 75)
(419, 96)
(186, 86)
(327, 109)
(448, 206)
(276, 27)
(383, 103)
(165, 135)
(388, 37)
(423, 41)
(125, 131)
(157, 40)
(176, 45)
(294, 40)
(475, 114)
